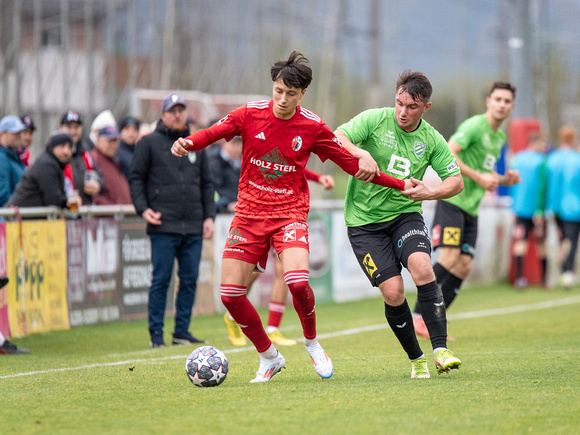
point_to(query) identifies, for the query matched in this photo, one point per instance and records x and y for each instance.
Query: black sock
(432, 306)
(401, 322)
(450, 288)
(440, 275)
(519, 260)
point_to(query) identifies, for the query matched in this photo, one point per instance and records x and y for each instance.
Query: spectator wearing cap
(128, 134)
(226, 169)
(116, 189)
(11, 167)
(102, 120)
(26, 138)
(176, 223)
(82, 161)
(43, 184)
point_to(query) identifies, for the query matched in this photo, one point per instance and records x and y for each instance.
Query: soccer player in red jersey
(278, 137)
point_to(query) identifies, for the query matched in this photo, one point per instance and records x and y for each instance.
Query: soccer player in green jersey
(476, 145)
(385, 227)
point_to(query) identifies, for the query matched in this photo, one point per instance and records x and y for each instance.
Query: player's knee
(231, 295)
(297, 282)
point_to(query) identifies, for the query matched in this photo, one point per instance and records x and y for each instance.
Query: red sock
(236, 302)
(303, 299)
(275, 313)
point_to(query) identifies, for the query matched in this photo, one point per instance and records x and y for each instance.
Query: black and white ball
(206, 367)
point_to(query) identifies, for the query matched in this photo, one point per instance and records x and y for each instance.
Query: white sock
(270, 329)
(270, 353)
(438, 349)
(308, 342)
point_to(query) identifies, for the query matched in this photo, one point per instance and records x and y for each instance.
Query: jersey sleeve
(311, 175)
(360, 128)
(464, 136)
(328, 146)
(442, 159)
(226, 128)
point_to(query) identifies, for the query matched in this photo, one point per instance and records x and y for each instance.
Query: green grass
(520, 374)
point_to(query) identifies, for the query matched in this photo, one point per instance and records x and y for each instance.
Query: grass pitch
(520, 374)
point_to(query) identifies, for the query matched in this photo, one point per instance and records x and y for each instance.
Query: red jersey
(275, 151)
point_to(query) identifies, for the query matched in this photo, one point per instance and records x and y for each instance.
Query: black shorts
(524, 226)
(454, 228)
(381, 248)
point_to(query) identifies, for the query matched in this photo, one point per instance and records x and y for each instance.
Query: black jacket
(180, 188)
(226, 178)
(124, 157)
(42, 184)
(79, 168)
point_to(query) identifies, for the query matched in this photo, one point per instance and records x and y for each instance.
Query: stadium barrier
(71, 270)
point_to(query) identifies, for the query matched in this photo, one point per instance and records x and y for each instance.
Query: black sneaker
(3, 281)
(11, 348)
(185, 338)
(156, 339)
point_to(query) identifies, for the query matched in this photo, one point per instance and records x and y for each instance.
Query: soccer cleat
(445, 361)
(269, 367)
(521, 283)
(157, 339)
(420, 327)
(278, 339)
(419, 368)
(322, 363)
(3, 281)
(567, 280)
(234, 332)
(185, 338)
(12, 349)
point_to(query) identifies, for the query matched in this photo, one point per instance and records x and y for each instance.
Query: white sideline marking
(469, 315)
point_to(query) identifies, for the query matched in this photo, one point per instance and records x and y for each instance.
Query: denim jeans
(165, 248)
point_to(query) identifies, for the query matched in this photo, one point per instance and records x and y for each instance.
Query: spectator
(116, 190)
(129, 133)
(43, 184)
(26, 138)
(11, 167)
(72, 124)
(176, 223)
(528, 204)
(226, 169)
(102, 120)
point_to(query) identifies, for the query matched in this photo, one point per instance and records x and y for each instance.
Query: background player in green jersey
(385, 227)
(476, 145)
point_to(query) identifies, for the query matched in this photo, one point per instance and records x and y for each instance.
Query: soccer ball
(206, 367)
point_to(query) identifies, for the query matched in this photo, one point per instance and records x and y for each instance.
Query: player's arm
(326, 180)
(487, 181)
(449, 187)
(367, 167)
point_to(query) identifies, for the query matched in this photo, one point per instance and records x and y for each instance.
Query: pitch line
(468, 315)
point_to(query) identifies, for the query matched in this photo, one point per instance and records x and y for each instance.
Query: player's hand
(511, 177)
(178, 148)
(489, 181)
(208, 228)
(327, 181)
(417, 190)
(367, 167)
(152, 217)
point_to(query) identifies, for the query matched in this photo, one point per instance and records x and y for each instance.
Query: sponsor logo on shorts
(369, 265)
(303, 239)
(234, 237)
(413, 232)
(466, 248)
(436, 234)
(451, 236)
(290, 235)
(234, 250)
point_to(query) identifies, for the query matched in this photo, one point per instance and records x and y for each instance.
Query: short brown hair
(503, 85)
(416, 84)
(294, 72)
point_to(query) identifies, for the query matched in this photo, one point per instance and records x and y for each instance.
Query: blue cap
(11, 124)
(110, 132)
(170, 101)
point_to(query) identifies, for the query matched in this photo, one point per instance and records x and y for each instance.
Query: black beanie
(56, 138)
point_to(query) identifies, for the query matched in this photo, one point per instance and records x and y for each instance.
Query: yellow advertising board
(39, 261)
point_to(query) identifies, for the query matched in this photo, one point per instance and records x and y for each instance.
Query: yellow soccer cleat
(234, 332)
(278, 339)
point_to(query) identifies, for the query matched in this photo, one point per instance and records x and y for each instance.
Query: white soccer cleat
(322, 363)
(269, 367)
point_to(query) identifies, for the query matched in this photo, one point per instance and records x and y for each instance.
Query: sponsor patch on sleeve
(452, 167)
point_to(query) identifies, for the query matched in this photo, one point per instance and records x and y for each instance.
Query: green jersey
(399, 154)
(480, 149)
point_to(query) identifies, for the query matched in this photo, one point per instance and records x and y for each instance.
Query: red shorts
(249, 240)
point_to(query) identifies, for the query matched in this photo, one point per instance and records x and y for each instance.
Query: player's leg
(570, 232)
(163, 249)
(540, 231)
(291, 244)
(277, 306)
(520, 249)
(235, 334)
